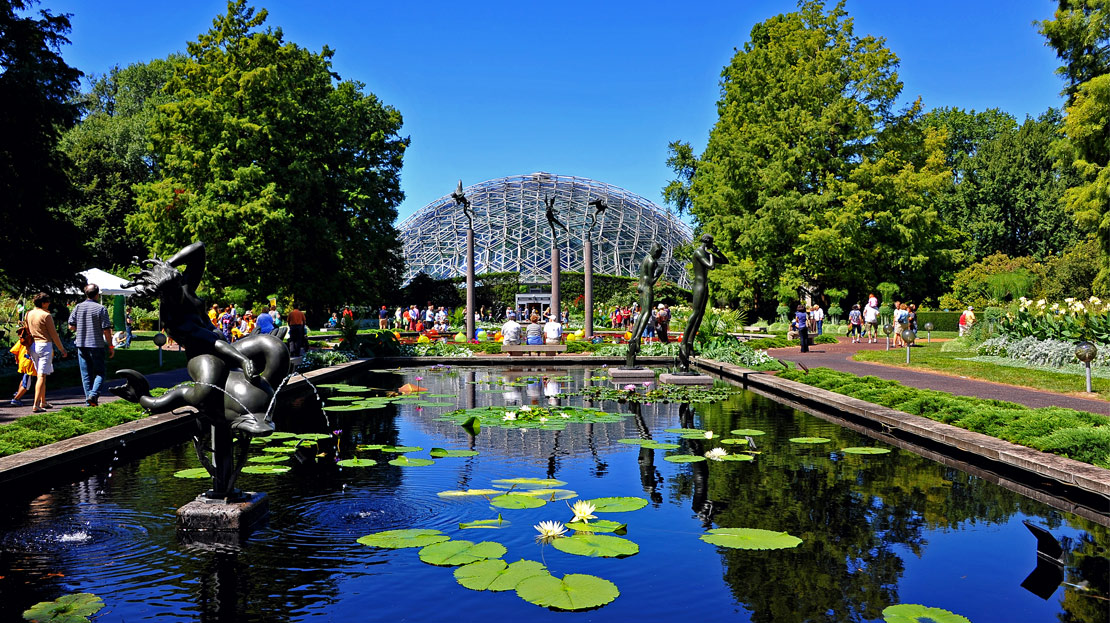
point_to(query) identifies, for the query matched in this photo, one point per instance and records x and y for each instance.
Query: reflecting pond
(876, 530)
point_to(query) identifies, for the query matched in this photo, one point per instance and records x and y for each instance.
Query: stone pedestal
(686, 379)
(204, 519)
(631, 375)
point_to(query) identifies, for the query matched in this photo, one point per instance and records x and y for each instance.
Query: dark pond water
(877, 530)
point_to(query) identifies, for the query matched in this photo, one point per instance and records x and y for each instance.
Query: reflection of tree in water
(853, 513)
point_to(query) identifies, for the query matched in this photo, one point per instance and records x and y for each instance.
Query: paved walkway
(839, 357)
(75, 396)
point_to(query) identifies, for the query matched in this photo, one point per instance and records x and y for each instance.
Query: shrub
(1087, 444)
(942, 321)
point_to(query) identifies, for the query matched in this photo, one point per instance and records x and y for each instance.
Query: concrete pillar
(469, 284)
(588, 286)
(555, 279)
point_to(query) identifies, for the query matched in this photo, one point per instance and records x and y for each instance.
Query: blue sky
(594, 89)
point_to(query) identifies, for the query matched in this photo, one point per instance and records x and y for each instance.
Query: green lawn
(142, 356)
(930, 357)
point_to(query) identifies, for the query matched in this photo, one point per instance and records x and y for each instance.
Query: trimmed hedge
(40, 429)
(1074, 434)
(942, 320)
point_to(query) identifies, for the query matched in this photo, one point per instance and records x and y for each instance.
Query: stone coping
(1085, 488)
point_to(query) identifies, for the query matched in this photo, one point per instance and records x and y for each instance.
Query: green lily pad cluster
(531, 416)
(73, 608)
(662, 393)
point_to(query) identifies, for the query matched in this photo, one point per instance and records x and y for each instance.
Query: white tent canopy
(108, 283)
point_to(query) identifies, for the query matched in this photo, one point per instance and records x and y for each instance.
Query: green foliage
(38, 91)
(750, 538)
(1076, 434)
(808, 164)
(73, 608)
(978, 283)
(315, 359)
(942, 321)
(373, 343)
(263, 154)
(1072, 273)
(40, 429)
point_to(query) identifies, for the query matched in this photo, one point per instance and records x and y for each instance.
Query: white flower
(1069, 301)
(1095, 300)
(525, 408)
(1055, 307)
(549, 530)
(716, 454)
(1041, 303)
(583, 511)
(708, 434)
(509, 416)
(543, 419)
(564, 415)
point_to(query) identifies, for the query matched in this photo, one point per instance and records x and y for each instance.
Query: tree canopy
(38, 246)
(288, 173)
(810, 177)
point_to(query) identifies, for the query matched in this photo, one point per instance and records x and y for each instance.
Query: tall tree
(1080, 33)
(290, 176)
(38, 247)
(110, 150)
(806, 172)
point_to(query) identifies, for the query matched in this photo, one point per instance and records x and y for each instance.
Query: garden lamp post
(1085, 351)
(159, 341)
(929, 330)
(888, 329)
(908, 337)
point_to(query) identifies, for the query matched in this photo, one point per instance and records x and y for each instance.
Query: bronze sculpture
(553, 220)
(600, 206)
(460, 199)
(706, 257)
(233, 384)
(650, 271)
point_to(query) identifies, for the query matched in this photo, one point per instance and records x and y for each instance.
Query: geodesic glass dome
(511, 232)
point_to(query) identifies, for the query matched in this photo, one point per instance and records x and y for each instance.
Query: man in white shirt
(510, 333)
(553, 330)
(871, 321)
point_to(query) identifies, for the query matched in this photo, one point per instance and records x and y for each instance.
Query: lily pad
(398, 539)
(280, 449)
(736, 457)
(453, 553)
(357, 463)
(862, 450)
(635, 441)
(353, 389)
(684, 458)
(810, 440)
(599, 525)
(279, 435)
(65, 609)
(267, 459)
(517, 501)
(441, 453)
(685, 431)
(332, 385)
(596, 545)
(366, 406)
(550, 494)
(351, 407)
(500, 522)
(751, 432)
(528, 482)
(266, 469)
(575, 591)
(370, 446)
(344, 398)
(404, 461)
(734, 441)
(917, 613)
(313, 436)
(618, 504)
(472, 425)
(401, 449)
(496, 575)
(440, 395)
(659, 445)
(192, 472)
(750, 538)
(469, 493)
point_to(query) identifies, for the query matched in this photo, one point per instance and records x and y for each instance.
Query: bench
(550, 350)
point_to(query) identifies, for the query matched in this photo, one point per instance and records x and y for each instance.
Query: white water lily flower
(716, 454)
(708, 434)
(549, 530)
(525, 408)
(543, 419)
(583, 511)
(509, 416)
(564, 415)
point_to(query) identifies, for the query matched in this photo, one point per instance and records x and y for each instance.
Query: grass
(142, 356)
(1074, 434)
(40, 429)
(930, 357)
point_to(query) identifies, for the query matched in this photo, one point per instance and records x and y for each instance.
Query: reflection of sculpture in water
(706, 257)
(650, 478)
(460, 199)
(553, 220)
(212, 362)
(650, 271)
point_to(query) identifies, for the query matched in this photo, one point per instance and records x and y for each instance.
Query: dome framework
(511, 232)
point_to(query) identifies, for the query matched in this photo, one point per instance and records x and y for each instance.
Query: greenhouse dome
(511, 231)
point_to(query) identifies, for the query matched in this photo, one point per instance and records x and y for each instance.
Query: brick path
(839, 357)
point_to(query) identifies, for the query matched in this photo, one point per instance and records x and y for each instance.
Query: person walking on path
(93, 327)
(129, 326)
(265, 322)
(818, 316)
(25, 366)
(801, 320)
(855, 324)
(46, 337)
(298, 331)
(871, 319)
